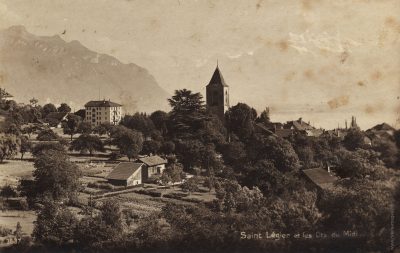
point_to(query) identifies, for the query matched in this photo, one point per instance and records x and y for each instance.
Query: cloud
(308, 42)
(8, 17)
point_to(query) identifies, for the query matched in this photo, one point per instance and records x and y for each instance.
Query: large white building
(103, 111)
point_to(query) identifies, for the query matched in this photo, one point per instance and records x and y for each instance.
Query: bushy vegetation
(257, 179)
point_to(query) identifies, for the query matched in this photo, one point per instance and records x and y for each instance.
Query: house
(277, 132)
(126, 174)
(153, 166)
(319, 178)
(103, 111)
(380, 132)
(298, 125)
(55, 119)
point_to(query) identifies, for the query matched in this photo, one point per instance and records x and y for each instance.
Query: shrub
(152, 193)
(104, 186)
(5, 231)
(18, 204)
(175, 195)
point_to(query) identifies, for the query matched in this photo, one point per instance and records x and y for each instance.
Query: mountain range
(53, 70)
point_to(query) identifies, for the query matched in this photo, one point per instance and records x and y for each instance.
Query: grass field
(12, 170)
(9, 219)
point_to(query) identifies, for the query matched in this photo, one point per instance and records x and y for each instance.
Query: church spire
(217, 78)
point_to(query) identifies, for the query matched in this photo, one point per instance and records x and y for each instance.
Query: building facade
(103, 111)
(217, 95)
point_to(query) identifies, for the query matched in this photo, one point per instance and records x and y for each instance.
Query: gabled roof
(124, 170)
(217, 78)
(101, 103)
(298, 125)
(320, 177)
(152, 160)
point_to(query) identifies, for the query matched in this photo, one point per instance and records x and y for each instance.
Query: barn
(126, 174)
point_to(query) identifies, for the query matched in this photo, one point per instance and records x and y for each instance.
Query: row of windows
(103, 108)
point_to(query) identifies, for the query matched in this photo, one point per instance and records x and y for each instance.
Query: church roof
(217, 78)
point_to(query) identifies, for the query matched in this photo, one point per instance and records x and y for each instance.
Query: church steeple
(217, 96)
(217, 78)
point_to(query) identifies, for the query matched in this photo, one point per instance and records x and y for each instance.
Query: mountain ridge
(53, 70)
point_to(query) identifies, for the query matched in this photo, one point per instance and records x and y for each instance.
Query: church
(217, 95)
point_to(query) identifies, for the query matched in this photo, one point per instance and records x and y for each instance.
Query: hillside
(56, 71)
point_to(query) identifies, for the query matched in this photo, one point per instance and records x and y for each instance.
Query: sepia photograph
(200, 126)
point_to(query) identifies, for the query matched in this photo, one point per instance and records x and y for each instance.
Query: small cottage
(319, 178)
(126, 174)
(153, 166)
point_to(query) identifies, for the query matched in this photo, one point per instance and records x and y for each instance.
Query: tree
(264, 117)
(389, 153)
(354, 139)
(84, 128)
(8, 146)
(71, 125)
(191, 185)
(362, 205)
(130, 142)
(189, 153)
(48, 108)
(172, 174)
(33, 102)
(139, 122)
(234, 154)
(55, 224)
(168, 147)
(47, 135)
(102, 129)
(29, 130)
(160, 119)
(64, 108)
(18, 232)
(25, 146)
(92, 232)
(358, 164)
(87, 142)
(111, 215)
(397, 137)
(266, 177)
(277, 150)
(55, 176)
(8, 192)
(151, 147)
(240, 121)
(188, 112)
(41, 148)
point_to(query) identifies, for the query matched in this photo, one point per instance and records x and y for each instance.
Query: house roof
(284, 133)
(124, 170)
(298, 125)
(320, 177)
(57, 115)
(314, 132)
(101, 103)
(264, 129)
(217, 78)
(382, 127)
(152, 160)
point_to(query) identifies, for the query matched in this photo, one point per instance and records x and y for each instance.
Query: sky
(321, 60)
